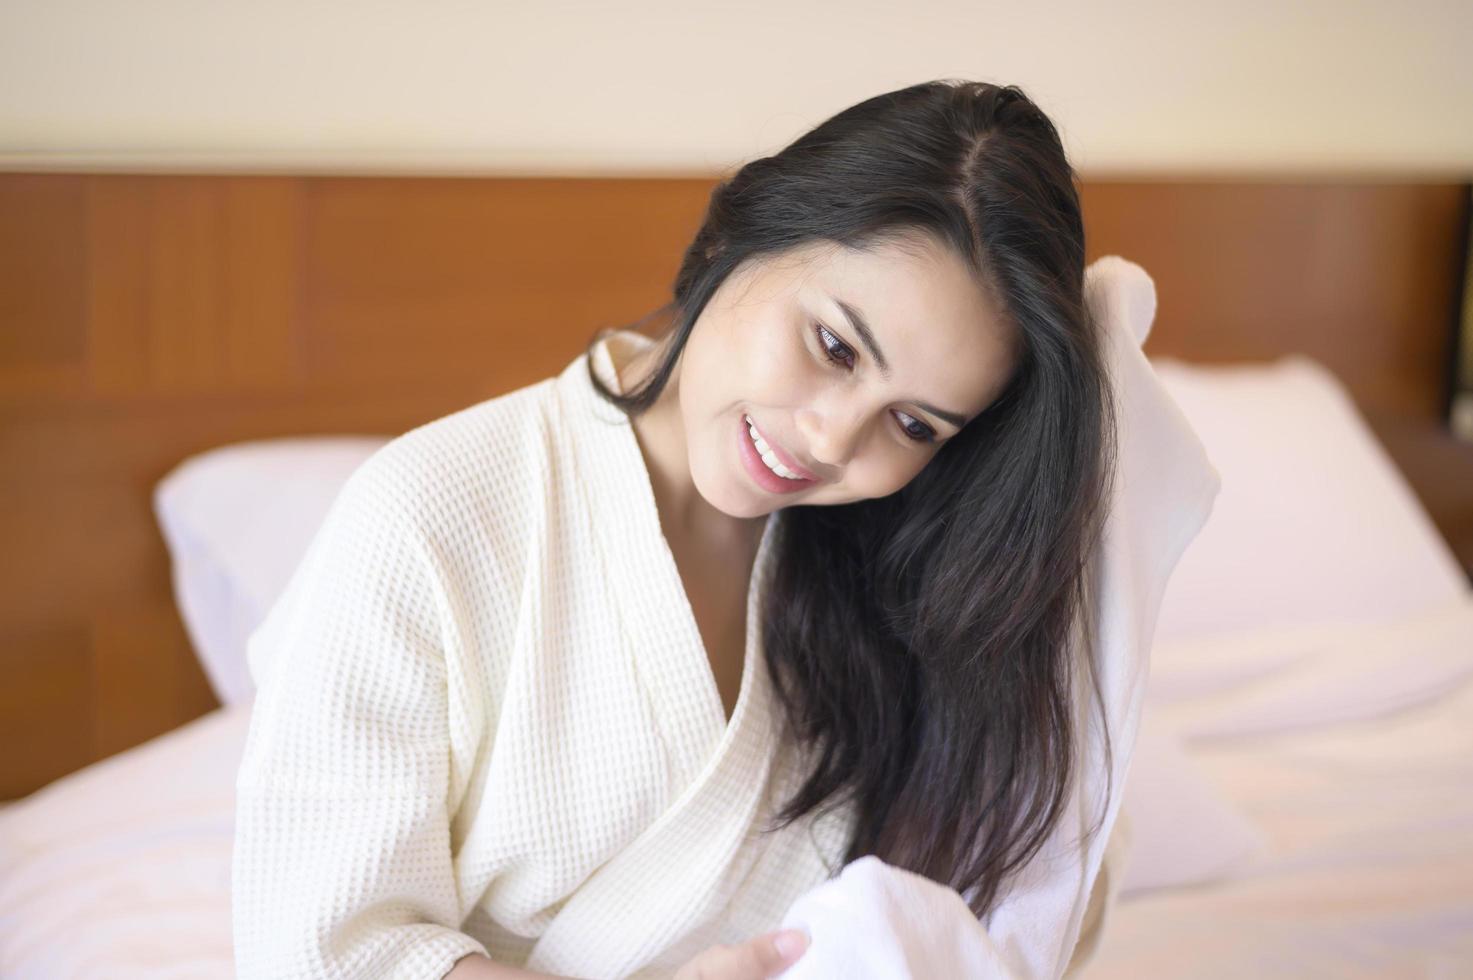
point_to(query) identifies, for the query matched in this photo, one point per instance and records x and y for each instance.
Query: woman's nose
(831, 435)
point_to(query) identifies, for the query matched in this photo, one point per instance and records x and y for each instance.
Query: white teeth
(768, 456)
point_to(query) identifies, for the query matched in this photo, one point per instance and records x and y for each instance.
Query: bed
(1301, 798)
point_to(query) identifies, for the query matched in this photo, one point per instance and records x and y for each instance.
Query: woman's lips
(758, 471)
(784, 458)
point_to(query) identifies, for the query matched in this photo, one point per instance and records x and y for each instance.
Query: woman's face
(856, 367)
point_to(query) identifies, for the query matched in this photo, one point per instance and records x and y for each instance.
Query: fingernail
(791, 942)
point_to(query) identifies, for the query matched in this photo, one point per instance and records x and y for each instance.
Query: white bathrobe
(486, 722)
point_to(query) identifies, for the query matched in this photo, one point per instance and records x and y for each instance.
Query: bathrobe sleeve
(342, 864)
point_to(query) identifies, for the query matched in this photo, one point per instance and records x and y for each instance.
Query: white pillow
(236, 521)
(1314, 523)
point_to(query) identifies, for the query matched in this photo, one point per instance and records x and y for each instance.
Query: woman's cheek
(791, 382)
(895, 473)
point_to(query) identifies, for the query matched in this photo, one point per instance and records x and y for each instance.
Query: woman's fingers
(757, 959)
(774, 952)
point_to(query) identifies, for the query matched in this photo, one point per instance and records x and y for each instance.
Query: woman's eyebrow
(858, 324)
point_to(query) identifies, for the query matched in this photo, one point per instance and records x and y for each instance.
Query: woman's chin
(737, 502)
(739, 508)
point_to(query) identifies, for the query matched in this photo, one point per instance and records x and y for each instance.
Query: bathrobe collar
(721, 770)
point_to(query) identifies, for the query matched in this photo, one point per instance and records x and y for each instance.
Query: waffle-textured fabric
(485, 720)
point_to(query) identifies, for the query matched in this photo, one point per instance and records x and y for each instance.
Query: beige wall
(1352, 87)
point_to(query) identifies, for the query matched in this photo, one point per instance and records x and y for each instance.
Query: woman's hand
(756, 959)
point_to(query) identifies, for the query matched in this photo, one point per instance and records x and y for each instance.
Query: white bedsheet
(1369, 866)
(122, 869)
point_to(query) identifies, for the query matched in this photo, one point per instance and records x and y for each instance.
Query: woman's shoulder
(462, 461)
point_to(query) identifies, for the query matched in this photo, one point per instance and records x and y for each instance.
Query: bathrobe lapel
(683, 868)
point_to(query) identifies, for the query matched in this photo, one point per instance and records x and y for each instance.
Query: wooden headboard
(149, 318)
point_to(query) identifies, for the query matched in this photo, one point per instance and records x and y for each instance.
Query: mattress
(1368, 868)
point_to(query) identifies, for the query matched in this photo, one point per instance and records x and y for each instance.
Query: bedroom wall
(1331, 86)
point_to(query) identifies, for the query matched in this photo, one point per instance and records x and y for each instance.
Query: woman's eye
(919, 431)
(838, 352)
(833, 348)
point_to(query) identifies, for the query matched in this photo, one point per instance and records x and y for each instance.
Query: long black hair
(925, 646)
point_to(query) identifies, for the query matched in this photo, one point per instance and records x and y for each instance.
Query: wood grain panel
(193, 286)
(513, 275)
(43, 340)
(150, 318)
(1361, 277)
(71, 544)
(144, 661)
(1365, 278)
(47, 709)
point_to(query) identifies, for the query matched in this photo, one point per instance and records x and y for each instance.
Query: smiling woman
(598, 677)
(893, 305)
